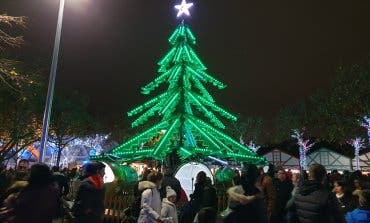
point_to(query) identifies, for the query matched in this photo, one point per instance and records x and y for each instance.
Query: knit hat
(170, 192)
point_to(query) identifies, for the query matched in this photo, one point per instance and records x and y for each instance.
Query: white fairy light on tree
(304, 146)
(366, 124)
(253, 146)
(357, 144)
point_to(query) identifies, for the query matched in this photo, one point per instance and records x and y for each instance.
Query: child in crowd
(168, 206)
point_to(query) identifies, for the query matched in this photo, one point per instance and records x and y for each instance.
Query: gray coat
(150, 203)
(169, 211)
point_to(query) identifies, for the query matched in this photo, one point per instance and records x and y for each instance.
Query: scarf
(97, 181)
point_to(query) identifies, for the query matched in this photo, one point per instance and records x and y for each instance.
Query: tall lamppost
(53, 73)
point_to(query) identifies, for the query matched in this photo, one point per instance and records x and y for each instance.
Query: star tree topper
(183, 8)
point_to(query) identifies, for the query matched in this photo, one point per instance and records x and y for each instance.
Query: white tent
(188, 173)
(283, 159)
(330, 159)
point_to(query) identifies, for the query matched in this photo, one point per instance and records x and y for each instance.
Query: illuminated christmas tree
(190, 122)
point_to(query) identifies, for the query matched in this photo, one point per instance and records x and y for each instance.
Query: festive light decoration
(304, 146)
(357, 143)
(180, 110)
(366, 124)
(183, 8)
(253, 146)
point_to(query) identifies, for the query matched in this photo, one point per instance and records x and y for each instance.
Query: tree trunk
(58, 156)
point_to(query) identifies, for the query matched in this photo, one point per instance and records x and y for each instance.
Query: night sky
(270, 53)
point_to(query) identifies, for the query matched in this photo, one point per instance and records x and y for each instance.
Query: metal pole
(53, 72)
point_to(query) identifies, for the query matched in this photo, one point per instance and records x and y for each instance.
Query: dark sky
(270, 53)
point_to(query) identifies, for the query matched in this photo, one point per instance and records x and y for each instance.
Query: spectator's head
(146, 172)
(334, 171)
(156, 178)
(100, 167)
(171, 194)
(339, 187)
(249, 178)
(40, 175)
(167, 172)
(201, 177)
(295, 179)
(317, 172)
(260, 169)
(92, 168)
(236, 179)
(23, 164)
(207, 215)
(358, 184)
(209, 181)
(281, 175)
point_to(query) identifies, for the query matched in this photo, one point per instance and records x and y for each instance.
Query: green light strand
(165, 137)
(207, 113)
(216, 108)
(204, 134)
(202, 89)
(146, 105)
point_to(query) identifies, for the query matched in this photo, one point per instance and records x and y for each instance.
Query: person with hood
(150, 199)
(169, 210)
(362, 213)
(314, 203)
(252, 207)
(37, 201)
(89, 203)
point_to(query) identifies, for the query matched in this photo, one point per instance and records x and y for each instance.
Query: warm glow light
(109, 175)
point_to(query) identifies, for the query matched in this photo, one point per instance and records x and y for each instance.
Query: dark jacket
(89, 204)
(347, 203)
(253, 212)
(315, 204)
(33, 204)
(283, 194)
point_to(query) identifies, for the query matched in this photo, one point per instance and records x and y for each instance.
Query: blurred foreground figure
(33, 201)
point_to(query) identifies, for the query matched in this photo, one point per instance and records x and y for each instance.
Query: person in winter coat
(150, 199)
(283, 188)
(36, 201)
(361, 214)
(346, 200)
(252, 207)
(314, 203)
(89, 203)
(168, 206)
(171, 181)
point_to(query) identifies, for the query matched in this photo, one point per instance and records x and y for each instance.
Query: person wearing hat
(168, 210)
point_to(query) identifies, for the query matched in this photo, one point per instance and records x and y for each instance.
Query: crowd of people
(40, 194)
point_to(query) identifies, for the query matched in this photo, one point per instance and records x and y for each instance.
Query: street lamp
(53, 72)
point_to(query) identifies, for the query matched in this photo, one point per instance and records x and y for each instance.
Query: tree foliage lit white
(304, 146)
(357, 143)
(366, 124)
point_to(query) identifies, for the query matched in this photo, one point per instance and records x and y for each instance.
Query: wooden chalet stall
(278, 157)
(330, 159)
(364, 161)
